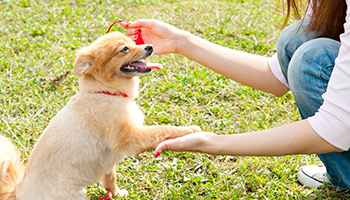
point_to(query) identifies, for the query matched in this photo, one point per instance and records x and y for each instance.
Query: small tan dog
(98, 127)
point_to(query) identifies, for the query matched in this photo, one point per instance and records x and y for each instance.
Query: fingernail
(135, 36)
(157, 154)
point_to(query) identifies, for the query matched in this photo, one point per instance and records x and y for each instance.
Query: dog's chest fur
(80, 142)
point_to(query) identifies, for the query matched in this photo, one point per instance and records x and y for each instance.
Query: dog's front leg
(109, 182)
(145, 137)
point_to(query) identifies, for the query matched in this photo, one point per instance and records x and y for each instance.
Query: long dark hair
(328, 16)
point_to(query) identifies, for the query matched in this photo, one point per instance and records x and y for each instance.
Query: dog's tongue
(146, 65)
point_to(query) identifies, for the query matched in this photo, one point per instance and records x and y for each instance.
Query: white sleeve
(276, 69)
(332, 121)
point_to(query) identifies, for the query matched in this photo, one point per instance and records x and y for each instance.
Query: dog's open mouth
(139, 67)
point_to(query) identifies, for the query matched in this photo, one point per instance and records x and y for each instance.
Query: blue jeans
(307, 61)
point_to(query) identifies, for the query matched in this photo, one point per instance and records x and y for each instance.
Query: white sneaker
(313, 176)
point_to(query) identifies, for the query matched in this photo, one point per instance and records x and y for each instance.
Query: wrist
(182, 42)
(207, 144)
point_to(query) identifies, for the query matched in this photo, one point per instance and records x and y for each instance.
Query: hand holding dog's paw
(191, 142)
(159, 134)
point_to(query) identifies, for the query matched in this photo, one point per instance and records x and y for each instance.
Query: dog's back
(11, 169)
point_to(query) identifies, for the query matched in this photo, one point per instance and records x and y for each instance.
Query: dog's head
(113, 57)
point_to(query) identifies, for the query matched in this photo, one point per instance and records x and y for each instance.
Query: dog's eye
(125, 49)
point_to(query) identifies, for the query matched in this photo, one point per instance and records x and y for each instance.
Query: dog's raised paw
(123, 193)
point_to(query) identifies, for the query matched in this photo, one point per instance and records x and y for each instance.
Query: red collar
(113, 94)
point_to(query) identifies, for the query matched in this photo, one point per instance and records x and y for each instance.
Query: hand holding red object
(139, 39)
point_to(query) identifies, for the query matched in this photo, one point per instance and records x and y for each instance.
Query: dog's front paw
(195, 128)
(122, 193)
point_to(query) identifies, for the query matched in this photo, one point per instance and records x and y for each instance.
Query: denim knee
(290, 40)
(309, 71)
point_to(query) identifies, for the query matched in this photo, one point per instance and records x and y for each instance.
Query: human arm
(294, 138)
(248, 69)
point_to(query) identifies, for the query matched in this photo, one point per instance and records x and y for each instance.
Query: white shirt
(332, 121)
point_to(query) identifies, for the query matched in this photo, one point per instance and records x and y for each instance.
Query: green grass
(38, 40)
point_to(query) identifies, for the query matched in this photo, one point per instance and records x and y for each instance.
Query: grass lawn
(38, 41)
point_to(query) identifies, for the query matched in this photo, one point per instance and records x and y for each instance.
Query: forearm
(294, 138)
(248, 69)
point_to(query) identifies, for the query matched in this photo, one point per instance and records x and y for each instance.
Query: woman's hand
(165, 38)
(191, 142)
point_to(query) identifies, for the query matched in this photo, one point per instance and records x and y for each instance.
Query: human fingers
(125, 24)
(144, 23)
(132, 31)
(162, 147)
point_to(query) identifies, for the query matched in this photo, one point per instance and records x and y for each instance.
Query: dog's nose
(149, 48)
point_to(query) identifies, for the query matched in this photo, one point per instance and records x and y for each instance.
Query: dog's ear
(84, 61)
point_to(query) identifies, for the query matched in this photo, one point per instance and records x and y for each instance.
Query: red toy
(139, 39)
